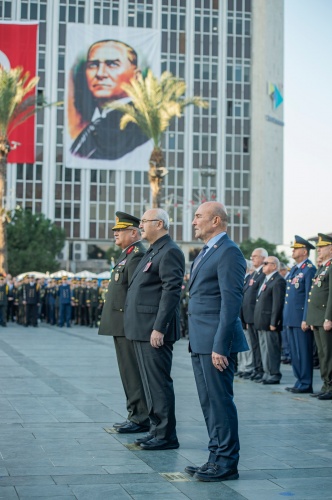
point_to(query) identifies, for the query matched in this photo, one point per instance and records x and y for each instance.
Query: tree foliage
(154, 103)
(248, 246)
(33, 243)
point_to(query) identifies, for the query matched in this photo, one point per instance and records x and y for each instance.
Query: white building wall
(266, 214)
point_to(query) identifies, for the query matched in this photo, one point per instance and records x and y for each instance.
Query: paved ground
(60, 394)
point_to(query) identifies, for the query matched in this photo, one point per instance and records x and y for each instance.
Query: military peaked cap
(123, 221)
(324, 240)
(301, 243)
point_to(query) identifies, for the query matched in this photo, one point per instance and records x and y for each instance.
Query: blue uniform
(299, 283)
(65, 304)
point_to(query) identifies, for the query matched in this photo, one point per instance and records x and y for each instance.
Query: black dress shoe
(295, 390)
(143, 439)
(317, 394)
(216, 473)
(246, 376)
(289, 389)
(120, 424)
(192, 470)
(325, 396)
(270, 382)
(256, 376)
(160, 444)
(131, 428)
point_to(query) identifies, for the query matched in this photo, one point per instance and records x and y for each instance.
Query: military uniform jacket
(249, 296)
(320, 296)
(153, 296)
(270, 303)
(92, 296)
(31, 293)
(111, 322)
(4, 290)
(299, 283)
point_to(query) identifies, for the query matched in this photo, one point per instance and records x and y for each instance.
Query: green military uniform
(319, 312)
(111, 323)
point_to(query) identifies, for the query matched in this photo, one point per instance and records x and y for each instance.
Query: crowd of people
(60, 302)
(242, 318)
(287, 317)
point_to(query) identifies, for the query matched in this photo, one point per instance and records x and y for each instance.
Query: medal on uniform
(297, 285)
(319, 284)
(116, 277)
(147, 267)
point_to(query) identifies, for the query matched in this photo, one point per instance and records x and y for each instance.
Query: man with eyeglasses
(127, 236)
(268, 320)
(109, 64)
(254, 371)
(152, 322)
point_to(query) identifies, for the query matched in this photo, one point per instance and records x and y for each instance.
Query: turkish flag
(18, 47)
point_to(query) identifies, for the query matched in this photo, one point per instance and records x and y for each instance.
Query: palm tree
(153, 105)
(16, 105)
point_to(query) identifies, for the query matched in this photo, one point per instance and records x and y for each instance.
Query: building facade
(230, 52)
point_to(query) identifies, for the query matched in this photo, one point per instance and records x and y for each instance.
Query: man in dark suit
(216, 336)
(152, 322)
(245, 358)
(299, 334)
(110, 63)
(268, 320)
(319, 315)
(247, 311)
(128, 238)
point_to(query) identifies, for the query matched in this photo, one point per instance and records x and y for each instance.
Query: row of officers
(295, 308)
(57, 302)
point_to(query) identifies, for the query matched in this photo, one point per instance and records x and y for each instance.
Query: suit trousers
(245, 360)
(324, 346)
(301, 346)
(270, 345)
(215, 392)
(155, 369)
(255, 347)
(131, 381)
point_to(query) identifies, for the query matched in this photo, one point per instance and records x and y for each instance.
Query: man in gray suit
(216, 336)
(152, 322)
(127, 237)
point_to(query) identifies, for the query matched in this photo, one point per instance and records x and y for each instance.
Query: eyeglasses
(267, 263)
(144, 221)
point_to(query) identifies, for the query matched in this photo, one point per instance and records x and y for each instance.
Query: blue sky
(308, 118)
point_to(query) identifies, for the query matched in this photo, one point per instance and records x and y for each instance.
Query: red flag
(18, 47)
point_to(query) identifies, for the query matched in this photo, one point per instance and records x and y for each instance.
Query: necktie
(199, 257)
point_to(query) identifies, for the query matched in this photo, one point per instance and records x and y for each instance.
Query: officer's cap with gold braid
(324, 240)
(123, 221)
(302, 243)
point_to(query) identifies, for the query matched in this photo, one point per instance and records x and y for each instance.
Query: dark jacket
(153, 295)
(111, 322)
(299, 283)
(270, 304)
(250, 296)
(320, 297)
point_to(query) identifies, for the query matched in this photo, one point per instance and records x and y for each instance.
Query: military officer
(4, 290)
(92, 301)
(128, 238)
(319, 315)
(299, 334)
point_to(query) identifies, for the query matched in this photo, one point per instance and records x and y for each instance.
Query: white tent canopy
(86, 274)
(105, 275)
(36, 274)
(59, 274)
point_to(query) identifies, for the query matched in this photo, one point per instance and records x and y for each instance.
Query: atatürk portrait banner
(99, 59)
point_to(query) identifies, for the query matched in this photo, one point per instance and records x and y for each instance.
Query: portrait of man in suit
(216, 336)
(97, 81)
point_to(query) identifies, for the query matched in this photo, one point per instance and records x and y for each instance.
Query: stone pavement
(60, 394)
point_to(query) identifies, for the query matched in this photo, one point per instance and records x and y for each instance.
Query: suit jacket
(246, 282)
(299, 283)
(103, 139)
(320, 297)
(250, 296)
(270, 303)
(153, 295)
(215, 296)
(111, 322)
